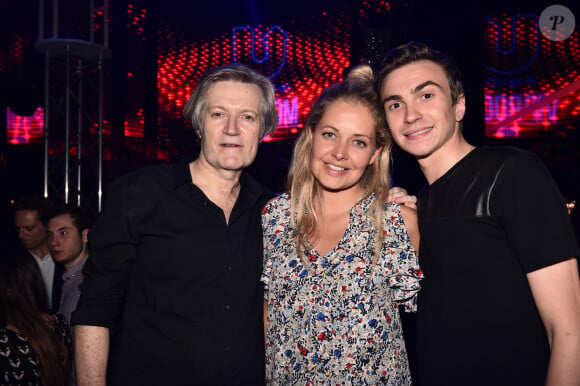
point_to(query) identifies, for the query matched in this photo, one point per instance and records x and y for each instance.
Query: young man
(68, 229)
(173, 282)
(30, 216)
(500, 303)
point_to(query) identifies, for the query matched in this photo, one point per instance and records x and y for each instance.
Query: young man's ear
(85, 235)
(460, 108)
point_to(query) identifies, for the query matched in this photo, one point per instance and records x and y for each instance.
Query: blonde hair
(304, 189)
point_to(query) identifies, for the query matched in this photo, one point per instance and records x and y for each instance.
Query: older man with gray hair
(172, 291)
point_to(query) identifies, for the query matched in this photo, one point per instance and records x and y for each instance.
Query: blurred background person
(30, 217)
(68, 230)
(35, 344)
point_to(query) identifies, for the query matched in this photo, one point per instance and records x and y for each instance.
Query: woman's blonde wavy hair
(304, 188)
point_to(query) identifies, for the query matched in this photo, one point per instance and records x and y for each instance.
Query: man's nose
(412, 113)
(232, 127)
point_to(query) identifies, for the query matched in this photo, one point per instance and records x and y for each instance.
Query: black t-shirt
(184, 283)
(491, 219)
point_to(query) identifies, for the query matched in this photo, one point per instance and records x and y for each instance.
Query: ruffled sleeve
(402, 265)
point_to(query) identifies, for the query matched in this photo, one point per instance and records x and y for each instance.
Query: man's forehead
(31, 214)
(60, 220)
(241, 92)
(419, 69)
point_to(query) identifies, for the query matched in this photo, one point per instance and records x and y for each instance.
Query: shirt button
(227, 348)
(227, 307)
(228, 267)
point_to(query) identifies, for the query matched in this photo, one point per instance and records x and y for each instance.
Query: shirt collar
(75, 269)
(41, 258)
(249, 186)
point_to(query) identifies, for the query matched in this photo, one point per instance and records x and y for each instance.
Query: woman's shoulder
(401, 220)
(5, 333)
(276, 204)
(392, 209)
(398, 213)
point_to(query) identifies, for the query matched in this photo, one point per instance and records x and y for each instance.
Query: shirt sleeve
(275, 228)
(533, 213)
(112, 246)
(267, 224)
(402, 264)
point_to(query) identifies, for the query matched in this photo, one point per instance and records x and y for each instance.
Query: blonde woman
(339, 259)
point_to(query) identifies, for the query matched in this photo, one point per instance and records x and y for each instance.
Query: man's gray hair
(193, 110)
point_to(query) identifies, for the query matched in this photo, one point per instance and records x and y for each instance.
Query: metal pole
(47, 117)
(67, 124)
(100, 132)
(79, 130)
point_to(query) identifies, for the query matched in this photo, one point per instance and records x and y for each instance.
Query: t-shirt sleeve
(402, 264)
(112, 250)
(533, 213)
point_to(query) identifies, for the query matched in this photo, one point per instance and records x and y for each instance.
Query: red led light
(313, 61)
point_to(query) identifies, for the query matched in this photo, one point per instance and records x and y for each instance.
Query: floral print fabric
(336, 321)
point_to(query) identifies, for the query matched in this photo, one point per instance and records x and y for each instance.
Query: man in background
(30, 217)
(68, 230)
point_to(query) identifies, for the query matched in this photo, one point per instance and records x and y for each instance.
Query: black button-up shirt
(178, 287)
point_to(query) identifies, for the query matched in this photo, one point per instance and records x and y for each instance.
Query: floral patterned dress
(336, 321)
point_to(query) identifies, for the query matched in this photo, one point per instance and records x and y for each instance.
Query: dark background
(453, 26)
